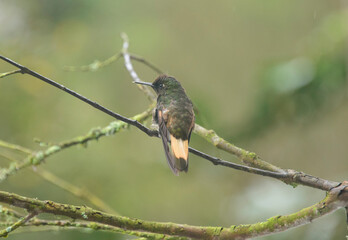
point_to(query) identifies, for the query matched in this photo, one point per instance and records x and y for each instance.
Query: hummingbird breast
(178, 114)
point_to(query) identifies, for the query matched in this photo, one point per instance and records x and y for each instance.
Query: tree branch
(20, 222)
(336, 198)
(245, 156)
(66, 224)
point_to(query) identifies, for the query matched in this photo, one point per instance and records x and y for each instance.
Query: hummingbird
(175, 118)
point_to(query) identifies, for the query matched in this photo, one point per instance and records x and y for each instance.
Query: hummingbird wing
(165, 136)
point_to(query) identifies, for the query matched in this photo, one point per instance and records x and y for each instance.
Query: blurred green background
(269, 76)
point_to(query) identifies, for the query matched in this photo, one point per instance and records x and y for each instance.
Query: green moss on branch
(272, 225)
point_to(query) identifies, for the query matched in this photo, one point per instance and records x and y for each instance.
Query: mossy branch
(245, 156)
(336, 198)
(15, 225)
(73, 224)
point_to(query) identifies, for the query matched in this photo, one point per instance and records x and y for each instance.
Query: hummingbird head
(163, 84)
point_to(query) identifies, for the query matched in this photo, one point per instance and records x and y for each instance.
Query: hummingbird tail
(180, 151)
(181, 164)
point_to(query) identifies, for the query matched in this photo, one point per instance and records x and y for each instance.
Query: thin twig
(15, 147)
(131, 71)
(96, 65)
(14, 226)
(145, 62)
(2, 75)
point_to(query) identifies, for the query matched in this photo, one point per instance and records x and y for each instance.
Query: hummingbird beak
(143, 83)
